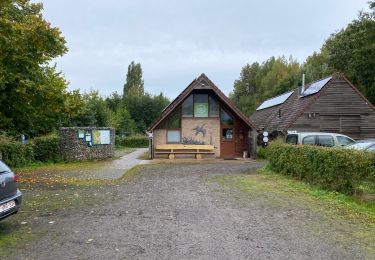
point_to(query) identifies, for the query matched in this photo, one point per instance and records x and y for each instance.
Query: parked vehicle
(365, 140)
(319, 138)
(10, 195)
(368, 146)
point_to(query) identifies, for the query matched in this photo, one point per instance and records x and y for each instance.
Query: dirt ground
(181, 211)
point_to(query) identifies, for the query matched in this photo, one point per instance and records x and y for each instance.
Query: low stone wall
(75, 148)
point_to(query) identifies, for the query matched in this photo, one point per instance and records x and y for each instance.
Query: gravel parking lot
(179, 211)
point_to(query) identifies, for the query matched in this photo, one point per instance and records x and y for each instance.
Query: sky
(176, 41)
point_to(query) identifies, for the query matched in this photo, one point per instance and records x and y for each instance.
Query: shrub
(133, 141)
(332, 168)
(16, 154)
(47, 148)
(261, 153)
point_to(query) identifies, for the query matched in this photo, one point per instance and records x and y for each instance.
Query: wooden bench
(173, 149)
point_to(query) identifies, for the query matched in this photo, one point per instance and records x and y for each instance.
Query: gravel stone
(174, 211)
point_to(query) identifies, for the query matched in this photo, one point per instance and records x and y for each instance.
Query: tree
(114, 101)
(124, 124)
(134, 85)
(145, 109)
(316, 66)
(94, 112)
(32, 94)
(258, 82)
(351, 51)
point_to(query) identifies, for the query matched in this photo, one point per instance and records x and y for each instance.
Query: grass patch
(49, 192)
(349, 220)
(354, 208)
(351, 207)
(131, 173)
(11, 235)
(41, 167)
(144, 156)
(66, 165)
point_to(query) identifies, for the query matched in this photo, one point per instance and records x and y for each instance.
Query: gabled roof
(295, 105)
(202, 82)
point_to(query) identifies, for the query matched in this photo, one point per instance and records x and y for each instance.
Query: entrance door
(227, 138)
(227, 145)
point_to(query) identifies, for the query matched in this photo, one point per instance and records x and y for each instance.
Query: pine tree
(134, 85)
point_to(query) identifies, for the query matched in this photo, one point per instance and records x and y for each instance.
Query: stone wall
(74, 148)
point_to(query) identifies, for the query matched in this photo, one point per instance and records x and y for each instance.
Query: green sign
(201, 110)
(81, 134)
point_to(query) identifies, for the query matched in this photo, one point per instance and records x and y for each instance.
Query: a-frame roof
(202, 82)
(295, 105)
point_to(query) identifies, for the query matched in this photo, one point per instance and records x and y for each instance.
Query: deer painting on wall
(200, 129)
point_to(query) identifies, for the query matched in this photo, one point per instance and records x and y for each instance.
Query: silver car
(10, 195)
(319, 138)
(368, 146)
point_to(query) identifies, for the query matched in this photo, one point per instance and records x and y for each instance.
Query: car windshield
(3, 167)
(360, 146)
(344, 141)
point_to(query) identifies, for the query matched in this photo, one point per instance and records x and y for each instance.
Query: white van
(319, 138)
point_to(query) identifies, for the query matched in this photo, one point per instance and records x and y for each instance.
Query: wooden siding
(367, 126)
(339, 109)
(306, 123)
(329, 123)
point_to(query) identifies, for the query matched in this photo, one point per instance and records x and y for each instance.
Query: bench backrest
(184, 147)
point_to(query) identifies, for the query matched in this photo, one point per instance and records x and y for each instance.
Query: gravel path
(175, 211)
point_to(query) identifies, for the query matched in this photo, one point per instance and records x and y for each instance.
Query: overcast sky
(176, 41)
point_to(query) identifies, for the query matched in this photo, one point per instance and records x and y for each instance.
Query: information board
(81, 134)
(101, 137)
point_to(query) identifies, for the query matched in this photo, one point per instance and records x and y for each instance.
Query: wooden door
(227, 141)
(227, 134)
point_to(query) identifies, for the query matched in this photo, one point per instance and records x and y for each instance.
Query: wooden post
(150, 149)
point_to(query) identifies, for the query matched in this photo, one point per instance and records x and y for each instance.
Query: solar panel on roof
(275, 101)
(316, 87)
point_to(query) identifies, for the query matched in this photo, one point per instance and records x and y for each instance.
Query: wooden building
(332, 104)
(203, 115)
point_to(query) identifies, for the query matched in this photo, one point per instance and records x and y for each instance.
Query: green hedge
(16, 154)
(336, 169)
(47, 148)
(134, 141)
(261, 152)
(42, 149)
